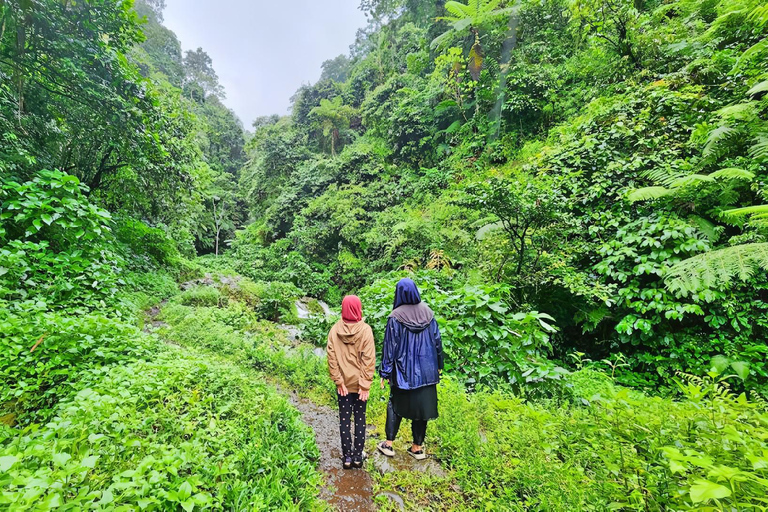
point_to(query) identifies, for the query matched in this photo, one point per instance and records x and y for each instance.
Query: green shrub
(485, 342)
(273, 301)
(200, 296)
(145, 247)
(55, 245)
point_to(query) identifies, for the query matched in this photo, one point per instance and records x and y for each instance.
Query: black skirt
(415, 404)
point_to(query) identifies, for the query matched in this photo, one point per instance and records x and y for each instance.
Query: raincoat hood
(415, 317)
(406, 293)
(350, 334)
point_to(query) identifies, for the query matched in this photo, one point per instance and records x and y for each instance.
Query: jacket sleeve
(368, 360)
(333, 362)
(438, 343)
(388, 350)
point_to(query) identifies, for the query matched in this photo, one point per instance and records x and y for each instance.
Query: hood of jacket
(415, 317)
(350, 333)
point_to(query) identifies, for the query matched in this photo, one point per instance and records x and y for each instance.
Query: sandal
(347, 463)
(386, 450)
(357, 463)
(419, 455)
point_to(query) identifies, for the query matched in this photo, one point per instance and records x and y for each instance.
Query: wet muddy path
(345, 490)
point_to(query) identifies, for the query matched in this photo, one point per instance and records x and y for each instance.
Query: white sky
(264, 50)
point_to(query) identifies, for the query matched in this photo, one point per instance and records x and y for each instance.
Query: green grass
(182, 431)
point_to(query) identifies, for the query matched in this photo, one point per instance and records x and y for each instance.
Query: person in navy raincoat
(412, 359)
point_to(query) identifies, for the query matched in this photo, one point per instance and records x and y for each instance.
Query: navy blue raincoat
(413, 349)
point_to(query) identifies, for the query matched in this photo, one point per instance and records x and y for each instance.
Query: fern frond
(760, 150)
(757, 89)
(717, 268)
(760, 15)
(732, 173)
(458, 10)
(740, 111)
(648, 193)
(662, 175)
(735, 214)
(716, 138)
(755, 49)
(439, 40)
(691, 179)
(710, 230)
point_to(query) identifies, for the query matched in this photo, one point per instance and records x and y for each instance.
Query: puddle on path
(346, 490)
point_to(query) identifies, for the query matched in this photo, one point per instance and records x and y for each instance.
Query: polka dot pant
(351, 406)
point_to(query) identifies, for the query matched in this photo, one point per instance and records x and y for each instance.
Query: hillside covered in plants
(577, 187)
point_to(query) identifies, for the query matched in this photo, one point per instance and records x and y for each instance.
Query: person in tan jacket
(351, 363)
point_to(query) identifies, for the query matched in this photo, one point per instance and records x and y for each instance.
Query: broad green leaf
(185, 491)
(741, 368)
(704, 490)
(61, 459)
(6, 462)
(89, 462)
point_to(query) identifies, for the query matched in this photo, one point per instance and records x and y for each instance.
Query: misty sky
(264, 50)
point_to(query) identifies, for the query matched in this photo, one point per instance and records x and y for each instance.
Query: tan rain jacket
(351, 355)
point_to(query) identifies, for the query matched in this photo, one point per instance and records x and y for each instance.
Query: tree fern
(756, 49)
(746, 111)
(678, 181)
(717, 268)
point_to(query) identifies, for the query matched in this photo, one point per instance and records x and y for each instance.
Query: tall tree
(201, 79)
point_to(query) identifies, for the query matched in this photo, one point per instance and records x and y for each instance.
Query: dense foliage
(603, 160)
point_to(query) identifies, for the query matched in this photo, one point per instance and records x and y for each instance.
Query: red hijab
(351, 309)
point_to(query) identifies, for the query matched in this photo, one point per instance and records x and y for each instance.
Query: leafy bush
(485, 343)
(146, 246)
(617, 449)
(200, 296)
(43, 353)
(272, 300)
(55, 243)
(178, 432)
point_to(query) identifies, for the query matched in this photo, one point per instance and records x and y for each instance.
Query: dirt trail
(346, 490)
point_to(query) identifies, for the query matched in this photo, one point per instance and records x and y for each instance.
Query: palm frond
(732, 173)
(717, 268)
(648, 193)
(716, 138)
